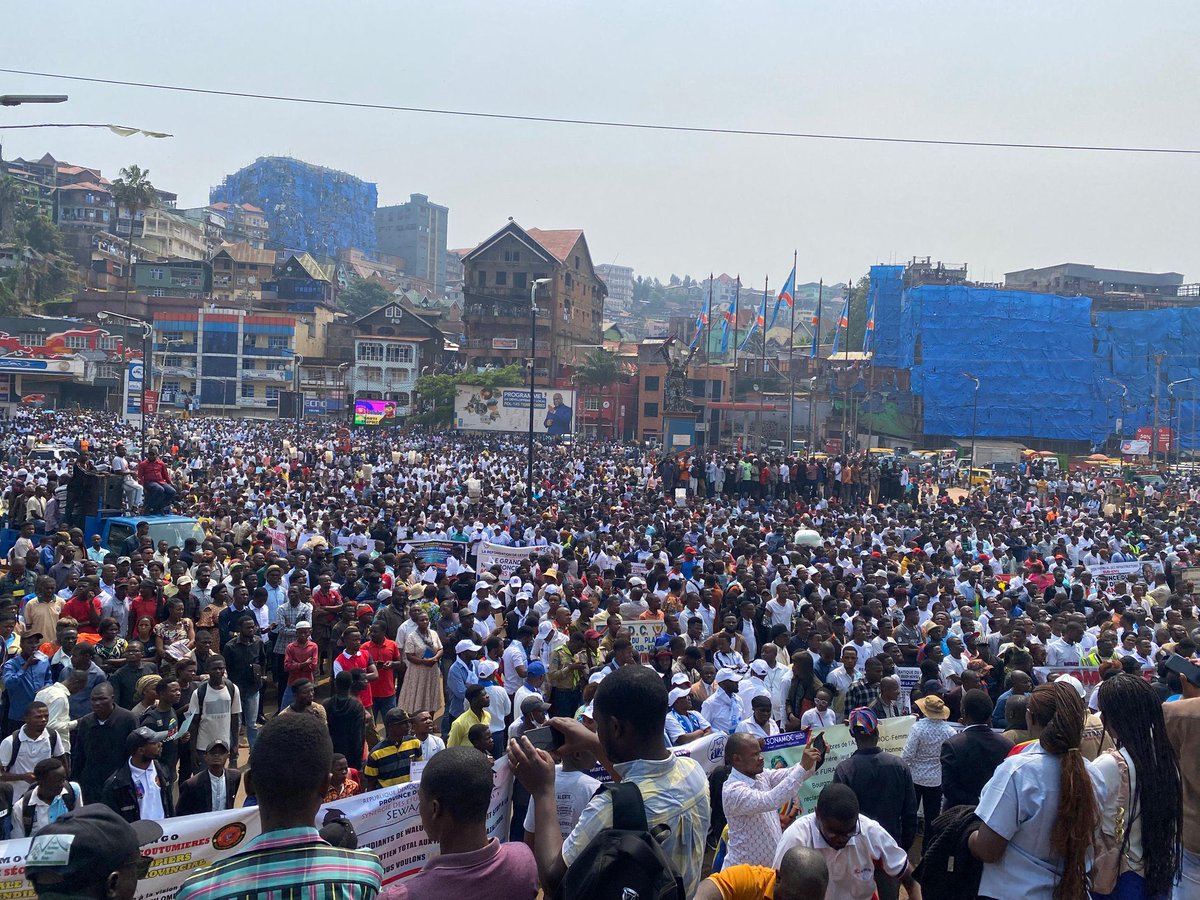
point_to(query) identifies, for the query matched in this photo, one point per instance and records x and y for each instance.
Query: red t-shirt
(360, 660)
(142, 607)
(385, 684)
(329, 603)
(300, 662)
(80, 610)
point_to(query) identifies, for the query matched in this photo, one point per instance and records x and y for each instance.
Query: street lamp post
(1121, 419)
(297, 359)
(147, 359)
(533, 373)
(22, 99)
(1175, 412)
(974, 424)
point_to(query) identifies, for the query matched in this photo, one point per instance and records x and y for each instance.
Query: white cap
(637, 581)
(728, 675)
(596, 677)
(464, 646)
(487, 668)
(384, 594)
(759, 667)
(544, 629)
(514, 582)
(552, 590)
(676, 695)
(303, 624)
(679, 679)
(1075, 683)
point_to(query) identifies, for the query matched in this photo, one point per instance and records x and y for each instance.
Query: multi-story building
(305, 207)
(299, 282)
(244, 222)
(83, 209)
(170, 236)
(708, 389)
(391, 347)
(416, 231)
(1073, 279)
(239, 272)
(619, 281)
(212, 222)
(499, 274)
(190, 278)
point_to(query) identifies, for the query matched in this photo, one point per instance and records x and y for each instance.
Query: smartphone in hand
(546, 738)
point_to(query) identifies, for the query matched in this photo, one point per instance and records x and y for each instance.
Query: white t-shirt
(220, 704)
(31, 751)
(149, 791)
(851, 869)
(515, 655)
(814, 718)
(572, 792)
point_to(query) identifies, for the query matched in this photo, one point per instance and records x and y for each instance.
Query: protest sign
(429, 552)
(279, 540)
(509, 559)
(642, 634)
(1121, 569)
(910, 677)
(708, 751)
(1089, 676)
(386, 821)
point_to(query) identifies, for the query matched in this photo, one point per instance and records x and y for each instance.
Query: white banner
(1121, 569)
(507, 409)
(386, 821)
(508, 558)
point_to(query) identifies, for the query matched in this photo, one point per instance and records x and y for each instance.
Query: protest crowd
(719, 675)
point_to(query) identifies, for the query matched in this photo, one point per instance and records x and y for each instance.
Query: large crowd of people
(301, 647)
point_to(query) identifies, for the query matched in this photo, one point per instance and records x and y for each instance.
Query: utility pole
(792, 364)
(1158, 358)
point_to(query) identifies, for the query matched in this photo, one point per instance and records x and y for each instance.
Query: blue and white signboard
(135, 374)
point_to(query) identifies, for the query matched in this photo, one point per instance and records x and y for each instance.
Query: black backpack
(27, 810)
(624, 862)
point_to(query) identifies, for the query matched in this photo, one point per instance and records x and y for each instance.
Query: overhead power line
(604, 123)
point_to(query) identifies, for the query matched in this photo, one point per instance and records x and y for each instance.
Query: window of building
(33, 340)
(577, 262)
(391, 353)
(76, 342)
(247, 391)
(592, 404)
(158, 292)
(170, 389)
(157, 275)
(650, 410)
(405, 353)
(273, 393)
(108, 342)
(501, 278)
(278, 366)
(278, 341)
(651, 383)
(570, 281)
(173, 361)
(370, 373)
(370, 351)
(519, 280)
(512, 255)
(481, 278)
(176, 336)
(109, 371)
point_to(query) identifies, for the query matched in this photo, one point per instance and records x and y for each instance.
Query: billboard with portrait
(507, 409)
(375, 412)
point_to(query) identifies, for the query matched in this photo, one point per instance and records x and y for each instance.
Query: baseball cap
(533, 703)
(592, 634)
(1074, 683)
(466, 646)
(514, 582)
(728, 675)
(536, 669)
(676, 695)
(91, 839)
(863, 721)
(759, 667)
(597, 677)
(487, 668)
(140, 736)
(395, 714)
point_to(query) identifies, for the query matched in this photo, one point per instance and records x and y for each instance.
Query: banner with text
(508, 558)
(642, 634)
(431, 552)
(385, 820)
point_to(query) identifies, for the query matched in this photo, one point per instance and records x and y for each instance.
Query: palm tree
(134, 191)
(600, 369)
(10, 195)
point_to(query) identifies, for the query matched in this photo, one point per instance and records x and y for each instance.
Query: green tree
(44, 271)
(361, 297)
(600, 369)
(133, 191)
(439, 391)
(11, 196)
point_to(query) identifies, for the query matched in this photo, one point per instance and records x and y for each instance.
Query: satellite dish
(755, 386)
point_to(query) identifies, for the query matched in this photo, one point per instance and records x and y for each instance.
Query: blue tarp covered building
(1045, 363)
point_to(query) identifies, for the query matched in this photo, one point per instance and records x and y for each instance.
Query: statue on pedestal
(675, 387)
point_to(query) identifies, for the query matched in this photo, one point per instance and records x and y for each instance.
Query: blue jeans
(250, 716)
(159, 496)
(381, 705)
(1188, 887)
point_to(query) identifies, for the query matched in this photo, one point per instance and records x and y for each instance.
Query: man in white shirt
(51, 798)
(57, 699)
(752, 797)
(760, 724)
(852, 845)
(22, 750)
(139, 789)
(724, 709)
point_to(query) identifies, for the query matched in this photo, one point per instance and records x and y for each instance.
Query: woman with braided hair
(1040, 809)
(1143, 818)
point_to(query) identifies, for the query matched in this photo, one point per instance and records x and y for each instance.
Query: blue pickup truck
(114, 530)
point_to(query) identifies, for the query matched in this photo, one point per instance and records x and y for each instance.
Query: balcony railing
(177, 371)
(266, 351)
(174, 348)
(258, 402)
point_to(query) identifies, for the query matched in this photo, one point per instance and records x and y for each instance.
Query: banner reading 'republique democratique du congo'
(385, 820)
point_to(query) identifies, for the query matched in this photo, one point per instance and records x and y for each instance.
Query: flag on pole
(726, 324)
(701, 321)
(869, 329)
(760, 320)
(816, 325)
(843, 322)
(786, 295)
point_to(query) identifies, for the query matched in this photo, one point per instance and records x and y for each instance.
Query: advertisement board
(374, 412)
(507, 409)
(1135, 447)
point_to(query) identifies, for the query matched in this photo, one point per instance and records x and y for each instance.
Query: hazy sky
(1098, 73)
